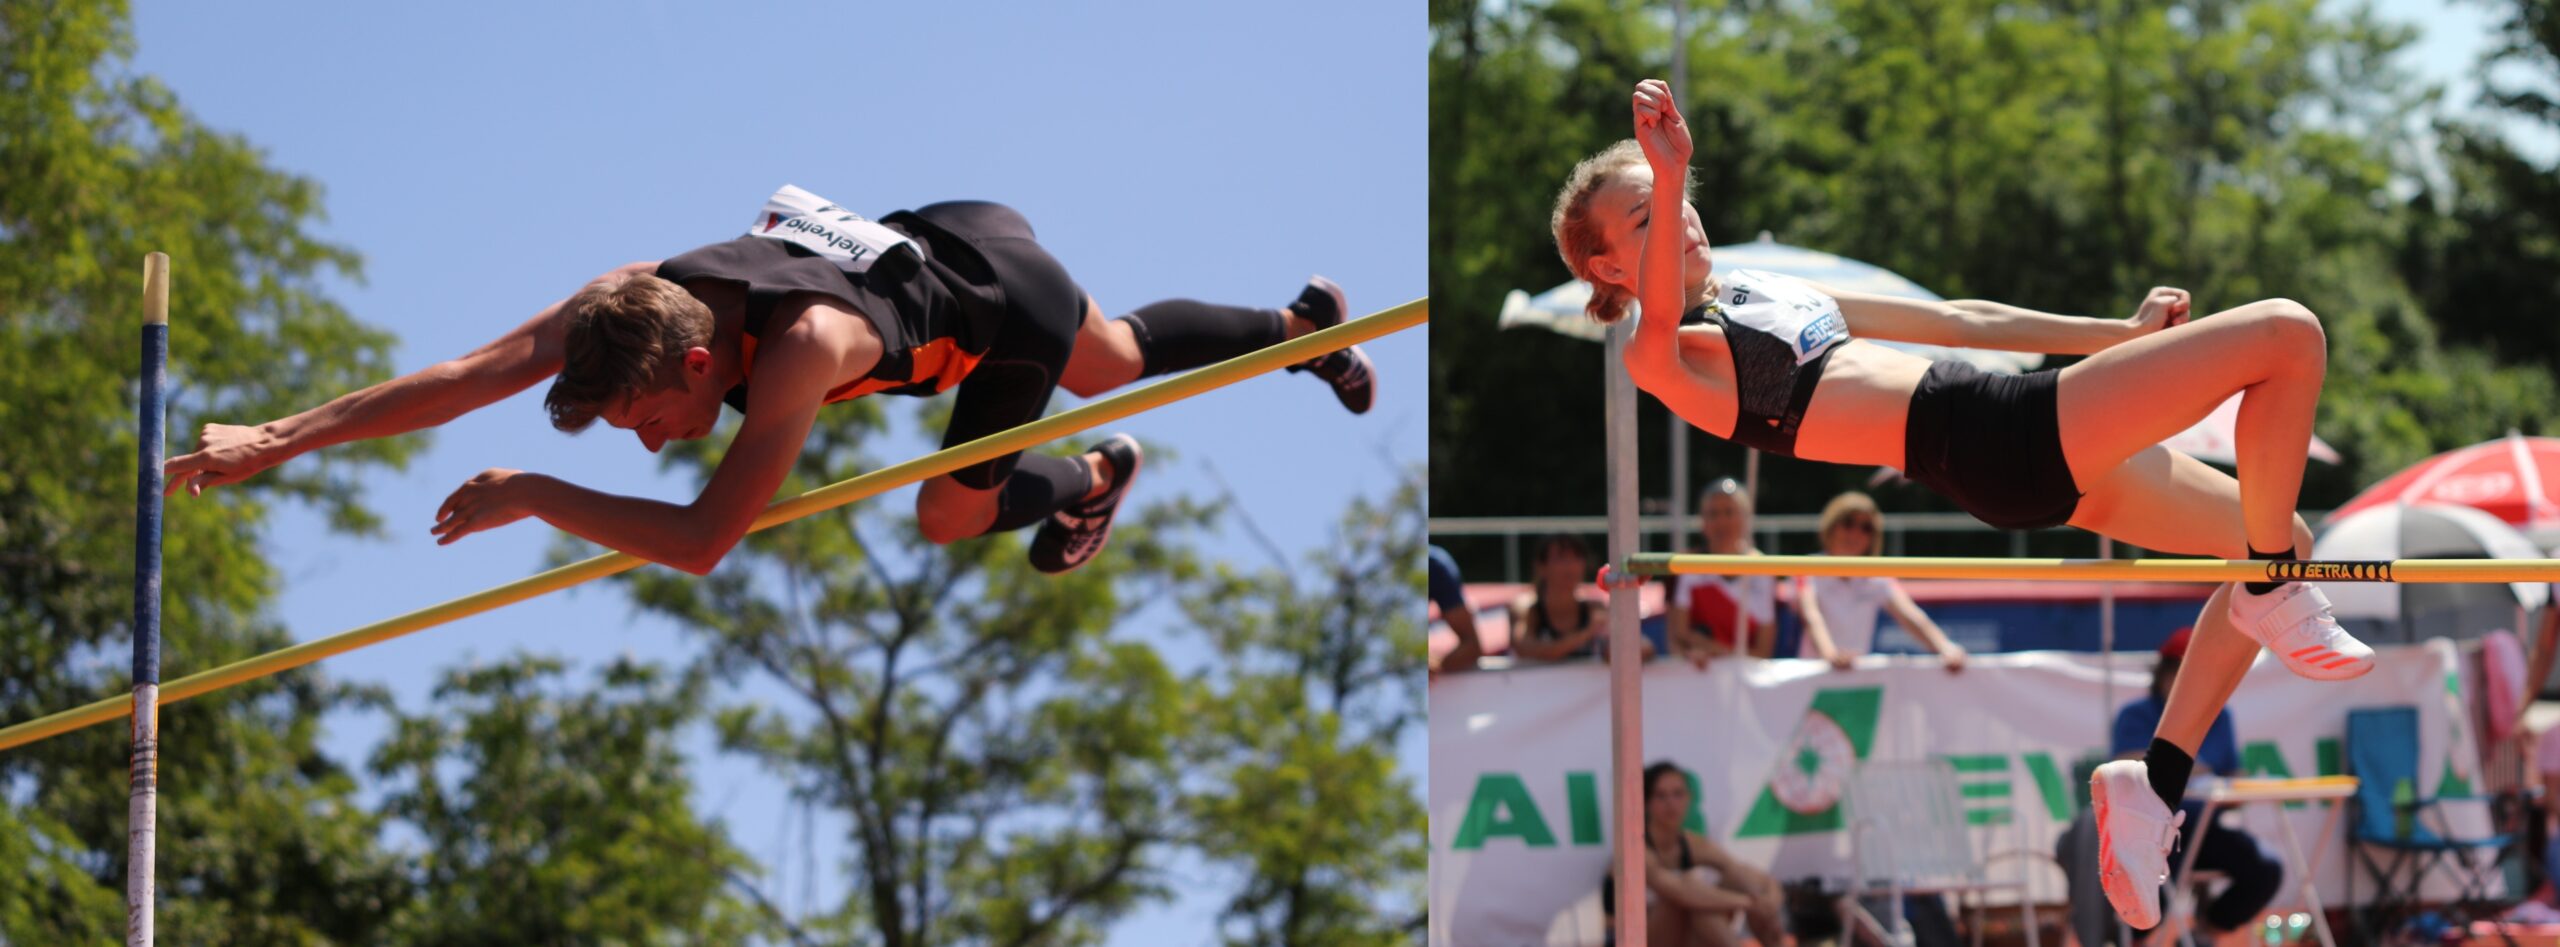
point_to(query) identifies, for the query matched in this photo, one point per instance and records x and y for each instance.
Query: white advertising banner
(1520, 764)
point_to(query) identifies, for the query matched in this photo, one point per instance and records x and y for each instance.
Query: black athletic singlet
(935, 321)
(1781, 333)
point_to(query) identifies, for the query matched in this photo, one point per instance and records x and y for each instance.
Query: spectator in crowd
(1693, 888)
(2538, 667)
(1449, 591)
(1840, 622)
(2230, 919)
(1714, 616)
(1555, 620)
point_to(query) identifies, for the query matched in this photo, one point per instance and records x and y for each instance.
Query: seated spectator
(1840, 624)
(2230, 919)
(1693, 888)
(1555, 620)
(1715, 616)
(1449, 591)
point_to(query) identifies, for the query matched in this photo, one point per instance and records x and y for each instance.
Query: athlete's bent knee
(2294, 328)
(947, 522)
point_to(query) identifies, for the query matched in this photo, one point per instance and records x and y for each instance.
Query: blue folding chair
(2400, 842)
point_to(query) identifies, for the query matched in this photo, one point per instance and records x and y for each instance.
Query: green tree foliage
(2486, 253)
(2063, 155)
(554, 814)
(1002, 758)
(261, 841)
(1296, 787)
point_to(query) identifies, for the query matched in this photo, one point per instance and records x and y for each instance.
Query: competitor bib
(813, 223)
(1788, 310)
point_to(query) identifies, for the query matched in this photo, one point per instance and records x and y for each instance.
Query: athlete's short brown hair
(627, 335)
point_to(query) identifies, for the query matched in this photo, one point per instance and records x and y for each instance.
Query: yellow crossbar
(824, 498)
(2106, 570)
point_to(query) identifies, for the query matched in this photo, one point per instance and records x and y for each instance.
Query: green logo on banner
(1803, 794)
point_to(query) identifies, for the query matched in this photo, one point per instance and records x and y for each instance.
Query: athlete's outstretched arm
(793, 372)
(229, 453)
(1982, 324)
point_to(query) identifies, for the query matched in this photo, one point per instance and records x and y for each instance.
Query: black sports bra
(1782, 333)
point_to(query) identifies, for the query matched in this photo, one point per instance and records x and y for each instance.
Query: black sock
(2170, 768)
(1183, 334)
(1040, 485)
(2262, 588)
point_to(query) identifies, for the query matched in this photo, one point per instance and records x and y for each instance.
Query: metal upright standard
(1626, 671)
(143, 802)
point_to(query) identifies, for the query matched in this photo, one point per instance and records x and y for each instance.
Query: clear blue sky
(487, 158)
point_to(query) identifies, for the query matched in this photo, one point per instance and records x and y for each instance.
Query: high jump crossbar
(825, 498)
(2107, 570)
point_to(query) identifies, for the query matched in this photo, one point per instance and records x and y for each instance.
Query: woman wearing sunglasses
(1840, 621)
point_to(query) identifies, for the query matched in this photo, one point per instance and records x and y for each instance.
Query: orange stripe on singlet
(940, 362)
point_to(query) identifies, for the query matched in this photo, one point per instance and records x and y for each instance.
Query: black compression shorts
(1012, 382)
(1992, 442)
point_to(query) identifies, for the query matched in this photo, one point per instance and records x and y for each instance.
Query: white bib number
(853, 243)
(1797, 314)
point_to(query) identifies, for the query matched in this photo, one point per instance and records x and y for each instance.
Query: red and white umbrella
(2514, 478)
(2426, 531)
(2216, 439)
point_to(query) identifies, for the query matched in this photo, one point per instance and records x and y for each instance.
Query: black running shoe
(1073, 536)
(1353, 379)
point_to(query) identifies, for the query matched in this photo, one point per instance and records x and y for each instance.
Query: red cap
(2175, 649)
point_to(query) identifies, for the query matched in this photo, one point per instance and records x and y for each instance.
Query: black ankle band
(2262, 588)
(2170, 767)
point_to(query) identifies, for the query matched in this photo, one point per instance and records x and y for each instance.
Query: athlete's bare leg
(2123, 400)
(2164, 500)
(1106, 355)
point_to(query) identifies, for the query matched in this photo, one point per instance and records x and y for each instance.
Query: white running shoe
(2293, 621)
(2135, 833)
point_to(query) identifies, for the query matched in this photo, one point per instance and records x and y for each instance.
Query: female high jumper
(1778, 364)
(817, 305)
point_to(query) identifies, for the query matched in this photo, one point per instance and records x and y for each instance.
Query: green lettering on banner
(1983, 776)
(1582, 798)
(1853, 711)
(1502, 807)
(1696, 820)
(2328, 757)
(2050, 785)
(2264, 758)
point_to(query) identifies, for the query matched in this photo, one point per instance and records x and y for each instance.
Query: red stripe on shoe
(2342, 661)
(2316, 647)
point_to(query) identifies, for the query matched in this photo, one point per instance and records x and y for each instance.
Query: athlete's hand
(493, 499)
(1842, 660)
(225, 454)
(1660, 130)
(2166, 307)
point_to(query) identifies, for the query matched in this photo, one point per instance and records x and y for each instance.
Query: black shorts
(1013, 379)
(1992, 442)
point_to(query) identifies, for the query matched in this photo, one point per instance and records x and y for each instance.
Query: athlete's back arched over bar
(1782, 365)
(1177, 388)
